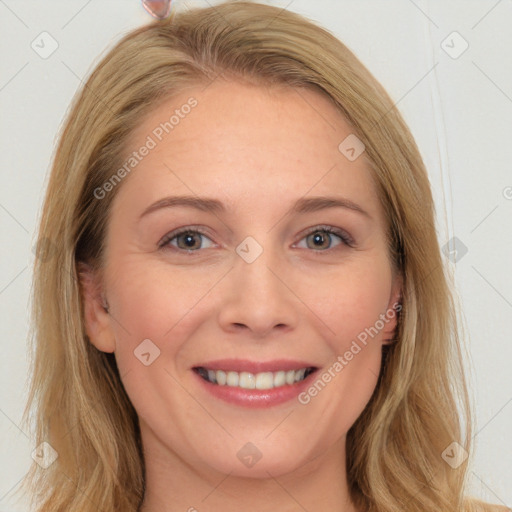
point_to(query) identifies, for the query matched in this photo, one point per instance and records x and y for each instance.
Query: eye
(322, 238)
(187, 239)
(319, 239)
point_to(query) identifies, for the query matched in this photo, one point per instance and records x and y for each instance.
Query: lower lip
(255, 398)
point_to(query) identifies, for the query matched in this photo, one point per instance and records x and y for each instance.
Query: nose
(258, 298)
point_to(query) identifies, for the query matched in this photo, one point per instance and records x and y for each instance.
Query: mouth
(248, 380)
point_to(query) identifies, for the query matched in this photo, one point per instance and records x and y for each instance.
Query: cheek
(343, 387)
(153, 312)
(149, 301)
(350, 302)
(340, 394)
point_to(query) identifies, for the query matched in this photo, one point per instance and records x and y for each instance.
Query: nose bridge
(257, 297)
(253, 267)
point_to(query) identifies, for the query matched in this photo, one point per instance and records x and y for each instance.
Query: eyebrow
(206, 204)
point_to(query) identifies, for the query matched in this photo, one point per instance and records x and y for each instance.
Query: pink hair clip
(157, 8)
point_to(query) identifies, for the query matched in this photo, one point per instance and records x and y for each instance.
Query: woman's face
(254, 286)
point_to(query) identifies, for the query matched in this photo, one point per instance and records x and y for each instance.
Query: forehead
(250, 143)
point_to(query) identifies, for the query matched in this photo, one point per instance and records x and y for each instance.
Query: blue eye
(186, 239)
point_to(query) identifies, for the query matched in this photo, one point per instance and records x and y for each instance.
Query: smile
(247, 380)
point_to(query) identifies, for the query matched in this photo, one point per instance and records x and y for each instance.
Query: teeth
(220, 377)
(264, 380)
(279, 379)
(232, 379)
(246, 380)
(300, 375)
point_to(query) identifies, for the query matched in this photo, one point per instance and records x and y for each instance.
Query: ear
(393, 310)
(97, 319)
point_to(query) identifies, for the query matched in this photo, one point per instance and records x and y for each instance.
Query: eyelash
(344, 237)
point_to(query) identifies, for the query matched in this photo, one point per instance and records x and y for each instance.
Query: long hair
(421, 403)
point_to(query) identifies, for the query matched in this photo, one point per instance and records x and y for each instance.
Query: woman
(243, 303)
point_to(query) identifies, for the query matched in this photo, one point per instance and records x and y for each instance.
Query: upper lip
(244, 365)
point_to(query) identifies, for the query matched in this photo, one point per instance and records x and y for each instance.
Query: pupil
(319, 238)
(189, 240)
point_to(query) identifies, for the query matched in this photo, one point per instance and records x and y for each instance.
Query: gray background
(457, 104)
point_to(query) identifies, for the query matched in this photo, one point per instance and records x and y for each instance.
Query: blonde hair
(420, 405)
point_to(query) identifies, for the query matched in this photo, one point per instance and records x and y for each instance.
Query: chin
(249, 461)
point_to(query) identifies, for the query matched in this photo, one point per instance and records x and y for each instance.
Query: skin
(257, 150)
